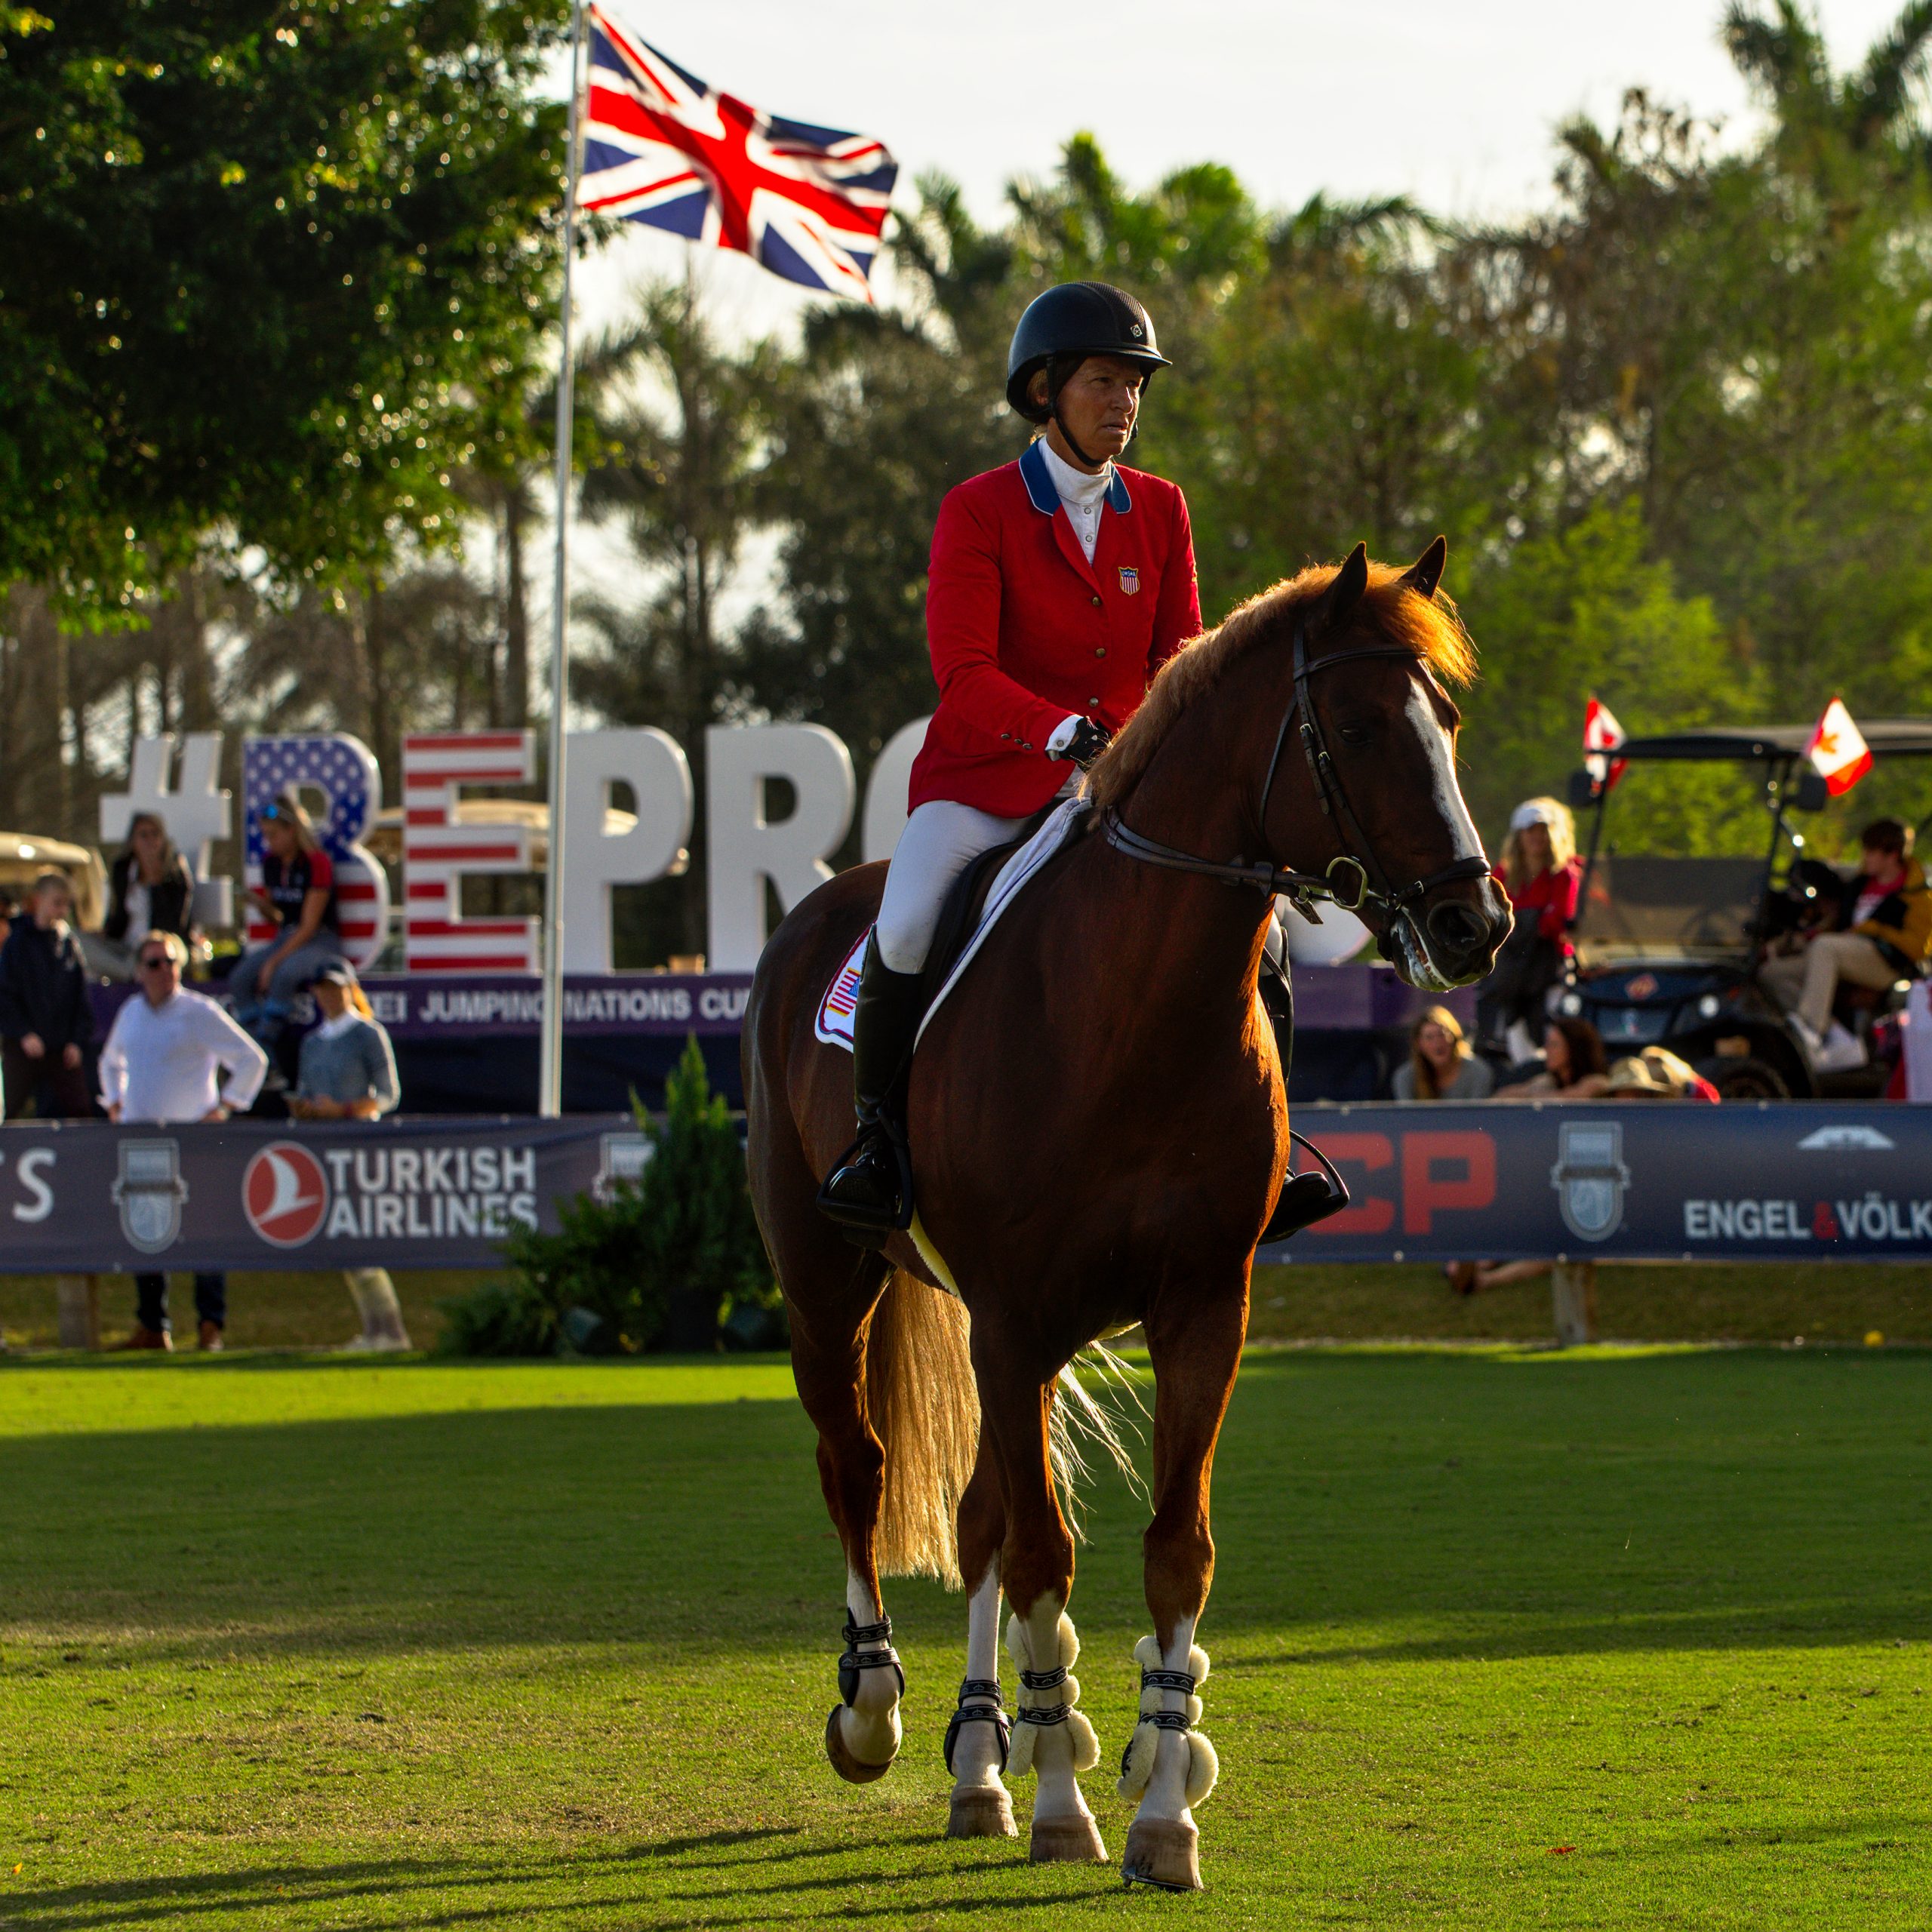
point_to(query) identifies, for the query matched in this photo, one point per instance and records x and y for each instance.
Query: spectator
(1573, 1066)
(46, 1022)
(1884, 934)
(160, 1064)
(298, 889)
(1440, 1065)
(149, 889)
(1540, 872)
(348, 1072)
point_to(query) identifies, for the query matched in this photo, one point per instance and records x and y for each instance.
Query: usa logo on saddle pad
(1129, 580)
(834, 1023)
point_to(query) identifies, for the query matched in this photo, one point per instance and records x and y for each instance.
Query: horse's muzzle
(1461, 936)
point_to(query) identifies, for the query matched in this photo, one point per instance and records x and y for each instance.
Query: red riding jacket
(1024, 630)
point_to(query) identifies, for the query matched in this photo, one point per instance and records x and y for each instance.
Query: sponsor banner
(83, 1197)
(1652, 1180)
(1634, 1180)
(453, 1007)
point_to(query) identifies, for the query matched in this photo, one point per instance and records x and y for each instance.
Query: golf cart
(1668, 949)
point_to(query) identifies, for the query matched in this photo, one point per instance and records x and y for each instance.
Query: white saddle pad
(834, 1021)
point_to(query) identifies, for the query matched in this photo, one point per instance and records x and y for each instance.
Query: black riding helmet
(1068, 324)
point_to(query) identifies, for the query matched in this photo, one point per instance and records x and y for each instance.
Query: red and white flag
(1602, 734)
(1838, 749)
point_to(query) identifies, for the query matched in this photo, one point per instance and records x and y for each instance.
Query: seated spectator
(348, 1072)
(298, 889)
(1573, 1067)
(1441, 1066)
(160, 1063)
(1657, 1074)
(46, 1021)
(149, 889)
(1540, 872)
(1883, 934)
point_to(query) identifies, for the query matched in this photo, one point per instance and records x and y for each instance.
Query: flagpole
(550, 1067)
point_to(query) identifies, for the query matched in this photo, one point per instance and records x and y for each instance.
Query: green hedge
(671, 1261)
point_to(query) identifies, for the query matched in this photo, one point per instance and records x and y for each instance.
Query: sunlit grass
(1501, 1639)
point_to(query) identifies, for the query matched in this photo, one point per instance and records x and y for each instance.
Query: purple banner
(87, 1197)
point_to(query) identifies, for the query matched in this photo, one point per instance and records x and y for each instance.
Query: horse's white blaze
(1185, 1765)
(870, 1723)
(1411, 936)
(976, 1755)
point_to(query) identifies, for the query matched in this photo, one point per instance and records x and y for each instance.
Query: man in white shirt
(161, 1063)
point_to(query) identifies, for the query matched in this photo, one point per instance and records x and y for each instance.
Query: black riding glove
(1084, 743)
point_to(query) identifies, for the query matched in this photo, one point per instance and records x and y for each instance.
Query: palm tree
(1781, 53)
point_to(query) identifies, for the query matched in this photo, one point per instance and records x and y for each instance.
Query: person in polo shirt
(166, 1052)
(1059, 585)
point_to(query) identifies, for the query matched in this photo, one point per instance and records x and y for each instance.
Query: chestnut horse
(1098, 1131)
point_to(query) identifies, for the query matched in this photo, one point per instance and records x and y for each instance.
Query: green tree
(272, 270)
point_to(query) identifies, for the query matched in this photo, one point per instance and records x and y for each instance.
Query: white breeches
(941, 839)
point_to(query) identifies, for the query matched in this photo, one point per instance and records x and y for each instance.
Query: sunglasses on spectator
(153, 962)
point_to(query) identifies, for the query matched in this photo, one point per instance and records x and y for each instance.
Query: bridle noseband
(1371, 887)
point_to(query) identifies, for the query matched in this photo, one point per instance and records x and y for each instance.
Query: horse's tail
(925, 1406)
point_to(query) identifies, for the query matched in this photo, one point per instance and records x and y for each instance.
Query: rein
(1370, 886)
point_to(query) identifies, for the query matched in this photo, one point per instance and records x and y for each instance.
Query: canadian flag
(1602, 734)
(1838, 749)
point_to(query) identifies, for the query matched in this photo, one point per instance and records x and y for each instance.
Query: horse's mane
(1429, 626)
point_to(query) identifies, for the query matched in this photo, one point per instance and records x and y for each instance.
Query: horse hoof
(981, 1814)
(854, 1770)
(1163, 1853)
(1066, 1841)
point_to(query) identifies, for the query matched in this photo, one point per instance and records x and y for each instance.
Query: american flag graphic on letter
(439, 847)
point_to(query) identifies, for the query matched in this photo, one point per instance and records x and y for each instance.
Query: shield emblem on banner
(1589, 1177)
(626, 1157)
(1129, 580)
(149, 1194)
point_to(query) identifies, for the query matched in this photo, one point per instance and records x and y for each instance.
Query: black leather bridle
(1371, 887)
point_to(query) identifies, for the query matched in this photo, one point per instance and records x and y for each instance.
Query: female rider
(1059, 585)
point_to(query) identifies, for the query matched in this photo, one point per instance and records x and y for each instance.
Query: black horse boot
(870, 1191)
(1308, 1197)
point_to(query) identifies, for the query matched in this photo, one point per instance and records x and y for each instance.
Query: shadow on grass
(1415, 1505)
(630, 1878)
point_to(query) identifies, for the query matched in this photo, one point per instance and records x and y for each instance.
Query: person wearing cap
(347, 1072)
(1540, 872)
(1059, 585)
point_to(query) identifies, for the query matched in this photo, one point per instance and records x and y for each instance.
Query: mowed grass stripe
(1498, 1641)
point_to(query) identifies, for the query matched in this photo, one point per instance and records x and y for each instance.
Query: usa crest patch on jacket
(1129, 580)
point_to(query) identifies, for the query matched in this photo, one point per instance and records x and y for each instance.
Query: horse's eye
(1354, 734)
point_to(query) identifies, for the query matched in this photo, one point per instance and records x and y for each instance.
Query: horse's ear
(1426, 572)
(1345, 592)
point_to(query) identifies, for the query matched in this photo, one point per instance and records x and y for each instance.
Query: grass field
(1830, 1302)
(1501, 1640)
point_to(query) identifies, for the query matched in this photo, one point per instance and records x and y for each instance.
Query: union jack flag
(663, 148)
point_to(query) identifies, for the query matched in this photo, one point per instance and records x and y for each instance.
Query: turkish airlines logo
(285, 1194)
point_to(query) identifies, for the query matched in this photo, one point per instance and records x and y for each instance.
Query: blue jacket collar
(1045, 499)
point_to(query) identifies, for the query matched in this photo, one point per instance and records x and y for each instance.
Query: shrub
(656, 1265)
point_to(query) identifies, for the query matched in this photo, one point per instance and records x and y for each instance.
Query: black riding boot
(1308, 1197)
(871, 1188)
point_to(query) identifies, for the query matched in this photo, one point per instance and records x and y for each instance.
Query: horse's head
(1365, 770)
